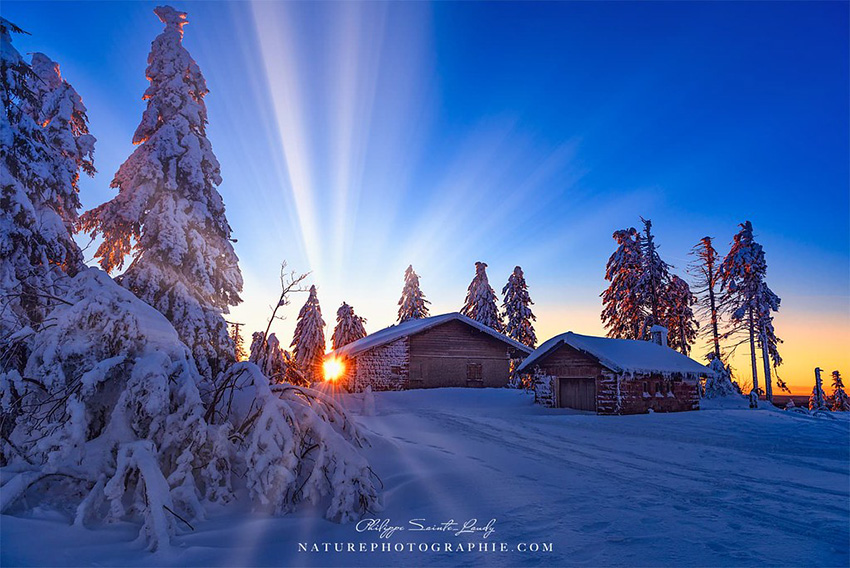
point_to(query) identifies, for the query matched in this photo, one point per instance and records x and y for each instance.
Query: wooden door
(577, 392)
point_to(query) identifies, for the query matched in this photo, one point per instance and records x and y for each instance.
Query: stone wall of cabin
(385, 368)
(609, 394)
(544, 389)
(661, 394)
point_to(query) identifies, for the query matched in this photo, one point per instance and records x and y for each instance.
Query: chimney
(658, 333)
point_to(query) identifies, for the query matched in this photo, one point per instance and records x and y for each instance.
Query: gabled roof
(620, 355)
(412, 327)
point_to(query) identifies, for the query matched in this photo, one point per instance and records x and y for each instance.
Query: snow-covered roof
(414, 326)
(620, 355)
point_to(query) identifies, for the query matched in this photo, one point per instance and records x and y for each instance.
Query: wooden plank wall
(439, 357)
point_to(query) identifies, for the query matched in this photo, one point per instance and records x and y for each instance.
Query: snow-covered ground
(726, 486)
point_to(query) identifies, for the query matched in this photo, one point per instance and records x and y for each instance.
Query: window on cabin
(395, 370)
(473, 372)
(646, 387)
(657, 388)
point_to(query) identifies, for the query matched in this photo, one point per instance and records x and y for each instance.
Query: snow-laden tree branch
(107, 417)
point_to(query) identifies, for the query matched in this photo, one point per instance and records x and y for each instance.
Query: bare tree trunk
(753, 351)
(768, 380)
(715, 332)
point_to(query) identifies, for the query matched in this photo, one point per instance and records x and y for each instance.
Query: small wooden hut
(449, 350)
(613, 376)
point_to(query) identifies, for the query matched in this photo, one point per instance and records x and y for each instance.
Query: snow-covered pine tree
(258, 345)
(652, 286)
(705, 270)
(817, 401)
(720, 383)
(268, 356)
(274, 361)
(62, 114)
(349, 327)
(517, 311)
(115, 427)
(45, 141)
(678, 315)
(840, 401)
(168, 214)
(622, 312)
(239, 352)
(412, 304)
(750, 301)
(480, 303)
(308, 343)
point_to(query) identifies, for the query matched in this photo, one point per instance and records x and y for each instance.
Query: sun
(333, 369)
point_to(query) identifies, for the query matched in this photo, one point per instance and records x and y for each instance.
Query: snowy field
(727, 487)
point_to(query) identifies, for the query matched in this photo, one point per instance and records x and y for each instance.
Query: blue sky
(356, 139)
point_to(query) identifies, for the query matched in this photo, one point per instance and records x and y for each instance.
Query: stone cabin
(449, 350)
(614, 376)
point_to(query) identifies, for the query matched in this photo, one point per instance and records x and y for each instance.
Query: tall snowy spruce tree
(101, 414)
(412, 304)
(678, 314)
(622, 311)
(750, 302)
(308, 342)
(44, 144)
(706, 271)
(517, 309)
(480, 303)
(840, 401)
(349, 327)
(652, 286)
(168, 214)
(642, 292)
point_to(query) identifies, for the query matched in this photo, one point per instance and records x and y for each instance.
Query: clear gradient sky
(357, 138)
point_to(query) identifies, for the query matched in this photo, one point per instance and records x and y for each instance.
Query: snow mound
(108, 422)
